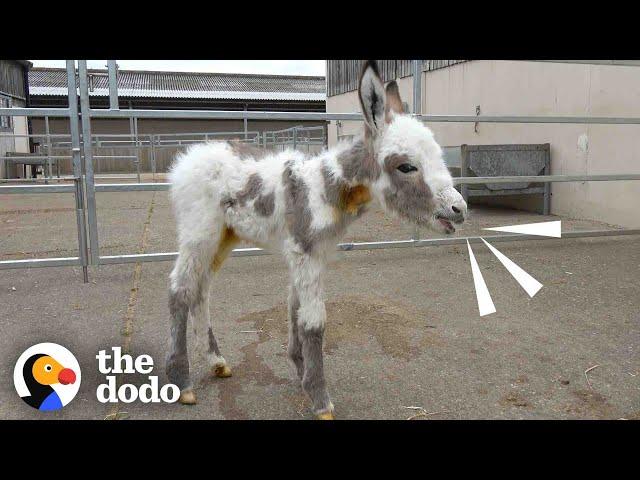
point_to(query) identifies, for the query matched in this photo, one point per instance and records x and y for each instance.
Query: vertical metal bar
(246, 122)
(77, 167)
(113, 85)
(546, 209)
(295, 137)
(464, 172)
(132, 129)
(152, 139)
(48, 134)
(135, 126)
(417, 86)
(417, 109)
(88, 164)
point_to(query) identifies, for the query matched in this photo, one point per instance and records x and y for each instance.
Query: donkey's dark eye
(406, 168)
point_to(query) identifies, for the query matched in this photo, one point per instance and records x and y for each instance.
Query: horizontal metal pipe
(170, 256)
(131, 187)
(148, 187)
(29, 189)
(627, 63)
(545, 178)
(252, 133)
(145, 187)
(348, 247)
(34, 112)
(251, 115)
(529, 119)
(18, 159)
(39, 262)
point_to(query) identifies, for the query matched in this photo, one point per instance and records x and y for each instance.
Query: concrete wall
(12, 144)
(539, 88)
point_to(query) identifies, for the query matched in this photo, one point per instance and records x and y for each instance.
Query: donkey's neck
(355, 163)
(347, 172)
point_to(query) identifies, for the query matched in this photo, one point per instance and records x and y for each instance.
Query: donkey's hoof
(325, 416)
(222, 371)
(187, 397)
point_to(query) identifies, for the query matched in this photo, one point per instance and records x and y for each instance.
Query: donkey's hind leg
(188, 291)
(200, 316)
(294, 348)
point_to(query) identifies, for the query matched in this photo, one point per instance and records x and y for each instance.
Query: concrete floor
(403, 326)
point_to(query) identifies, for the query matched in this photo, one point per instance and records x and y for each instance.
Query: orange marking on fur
(355, 197)
(228, 239)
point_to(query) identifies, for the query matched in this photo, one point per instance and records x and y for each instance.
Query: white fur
(207, 176)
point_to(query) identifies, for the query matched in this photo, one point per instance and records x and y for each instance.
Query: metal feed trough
(501, 160)
(84, 188)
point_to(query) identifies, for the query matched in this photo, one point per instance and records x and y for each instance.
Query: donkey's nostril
(455, 209)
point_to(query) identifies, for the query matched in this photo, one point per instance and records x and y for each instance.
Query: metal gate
(84, 188)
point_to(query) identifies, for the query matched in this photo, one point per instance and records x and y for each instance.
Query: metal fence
(84, 188)
(146, 153)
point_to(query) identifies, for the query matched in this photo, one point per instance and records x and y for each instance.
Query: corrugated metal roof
(144, 84)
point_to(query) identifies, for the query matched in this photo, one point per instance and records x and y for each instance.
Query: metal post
(135, 126)
(246, 122)
(417, 87)
(77, 167)
(48, 136)
(417, 109)
(546, 209)
(152, 139)
(132, 133)
(90, 188)
(113, 85)
(295, 137)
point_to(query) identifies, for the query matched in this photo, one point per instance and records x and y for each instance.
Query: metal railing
(84, 187)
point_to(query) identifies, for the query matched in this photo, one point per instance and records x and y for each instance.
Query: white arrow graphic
(485, 304)
(526, 281)
(541, 229)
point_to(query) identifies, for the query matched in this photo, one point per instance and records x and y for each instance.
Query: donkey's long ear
(394, 102)
(371, 95)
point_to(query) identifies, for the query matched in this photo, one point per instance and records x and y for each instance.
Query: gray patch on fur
(333, 187)
(359, 163)
(294, 347)
(298, 212)
(313, 381)
(408, 195)
(265, 204)
(177, 361)
(227, 201)
(213, 344)
(251, 190)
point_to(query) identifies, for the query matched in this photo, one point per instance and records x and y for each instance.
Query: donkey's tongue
(447, 225)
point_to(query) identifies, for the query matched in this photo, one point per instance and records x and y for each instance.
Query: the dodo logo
(47, 376)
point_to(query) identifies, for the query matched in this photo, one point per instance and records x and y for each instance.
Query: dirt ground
(403, 328)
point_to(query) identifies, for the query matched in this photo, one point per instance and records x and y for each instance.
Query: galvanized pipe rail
(86, 178)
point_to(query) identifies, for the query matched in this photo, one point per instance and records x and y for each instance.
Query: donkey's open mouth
(446, 223)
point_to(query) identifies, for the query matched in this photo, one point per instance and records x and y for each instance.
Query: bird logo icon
(47, 376)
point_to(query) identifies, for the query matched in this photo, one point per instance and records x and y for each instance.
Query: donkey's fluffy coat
(223, 192)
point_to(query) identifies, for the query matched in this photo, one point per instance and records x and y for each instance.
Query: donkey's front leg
(307, 279)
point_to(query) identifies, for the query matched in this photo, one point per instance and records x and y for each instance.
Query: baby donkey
(225, 192)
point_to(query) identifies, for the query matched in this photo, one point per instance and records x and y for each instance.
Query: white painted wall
(540, 88)
(9, 143)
